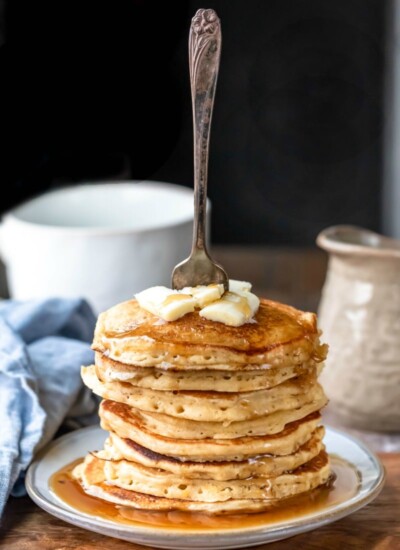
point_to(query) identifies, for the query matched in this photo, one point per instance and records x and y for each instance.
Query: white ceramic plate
(76, 444)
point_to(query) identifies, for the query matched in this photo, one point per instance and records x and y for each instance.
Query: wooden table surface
(292, 276)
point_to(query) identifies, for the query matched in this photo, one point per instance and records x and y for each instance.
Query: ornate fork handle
(204, 54)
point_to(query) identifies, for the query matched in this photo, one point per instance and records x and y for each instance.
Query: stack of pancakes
(204, 416)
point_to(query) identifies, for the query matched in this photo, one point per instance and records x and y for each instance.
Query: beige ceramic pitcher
(360, 318)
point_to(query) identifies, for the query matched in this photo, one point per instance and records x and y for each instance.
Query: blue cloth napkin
(43, 344)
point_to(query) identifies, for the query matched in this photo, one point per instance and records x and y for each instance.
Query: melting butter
(233, 308)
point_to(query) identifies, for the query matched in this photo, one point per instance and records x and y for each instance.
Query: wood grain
(377, 526)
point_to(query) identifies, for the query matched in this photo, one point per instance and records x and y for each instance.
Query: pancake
(285, 442)
(156, 482)
(117, 448)
(207, 406)
(108, 370)
(93, 477)
(130, 421)
(280, 335)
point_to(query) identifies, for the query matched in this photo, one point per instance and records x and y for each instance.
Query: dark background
(100, 90)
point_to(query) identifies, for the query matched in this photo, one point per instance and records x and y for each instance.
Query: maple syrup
(341, 487)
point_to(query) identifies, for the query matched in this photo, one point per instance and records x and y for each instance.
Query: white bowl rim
(11, 217)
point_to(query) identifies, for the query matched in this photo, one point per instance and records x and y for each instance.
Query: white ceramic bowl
(103, 242)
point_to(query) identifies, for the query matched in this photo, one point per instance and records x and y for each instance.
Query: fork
(204, 56)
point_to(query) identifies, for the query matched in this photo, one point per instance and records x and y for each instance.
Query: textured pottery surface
(359, 315)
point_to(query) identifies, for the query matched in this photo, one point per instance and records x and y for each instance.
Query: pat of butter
(204, 295)
(234, 308)
(176, 306)
(239, 286)
(168, 304)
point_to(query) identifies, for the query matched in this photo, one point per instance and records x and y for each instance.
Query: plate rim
(273, 532)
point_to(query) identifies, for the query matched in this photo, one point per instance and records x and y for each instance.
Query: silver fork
(204, 56)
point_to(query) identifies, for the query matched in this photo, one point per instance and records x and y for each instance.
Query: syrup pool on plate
(344, 485)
